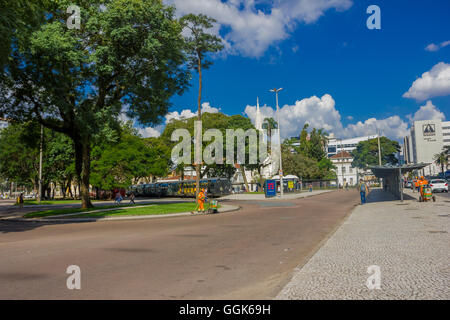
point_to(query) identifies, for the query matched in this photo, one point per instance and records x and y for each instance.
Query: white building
(336, 145)
(344, 170)
(427, 138)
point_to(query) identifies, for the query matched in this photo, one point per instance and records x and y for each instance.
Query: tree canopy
(19, 156)
(127, 56)
(120, 163)
(366, 153)
(309, 159)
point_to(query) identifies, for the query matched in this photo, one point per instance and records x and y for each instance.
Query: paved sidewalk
(286, 196)
(409, 241)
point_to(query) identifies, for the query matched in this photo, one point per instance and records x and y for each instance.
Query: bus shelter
(392, 176)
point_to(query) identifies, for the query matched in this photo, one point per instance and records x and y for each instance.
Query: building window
(343, 170)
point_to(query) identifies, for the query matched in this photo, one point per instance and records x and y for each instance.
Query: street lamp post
(279, 140)
(379, 157)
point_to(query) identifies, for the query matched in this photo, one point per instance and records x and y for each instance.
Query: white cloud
(187, 113)
(248, 30)
(435, 47)
(433, 83)
(150, 132)
(322, 113)
(183, 114)
(427, 112)
(392, 127)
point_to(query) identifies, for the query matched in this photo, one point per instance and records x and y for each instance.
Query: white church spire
(258, 120)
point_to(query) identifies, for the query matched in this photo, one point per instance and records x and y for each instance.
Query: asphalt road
(247, 254)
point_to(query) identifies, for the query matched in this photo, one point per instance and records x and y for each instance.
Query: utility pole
(40, 165)
(279, 141)
(379, 149)
(379, 158)
(342, 167)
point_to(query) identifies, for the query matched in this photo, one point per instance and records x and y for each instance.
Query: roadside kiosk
(270, 188)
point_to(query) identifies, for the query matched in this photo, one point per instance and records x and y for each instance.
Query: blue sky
(320, 47)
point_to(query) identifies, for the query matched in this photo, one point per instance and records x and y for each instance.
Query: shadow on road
(378, 195)
(21, 226)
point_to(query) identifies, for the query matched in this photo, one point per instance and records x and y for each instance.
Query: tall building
(336, 145)
(427, 138)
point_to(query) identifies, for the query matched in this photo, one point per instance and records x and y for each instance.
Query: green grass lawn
(54, 212)
(150, 209)
(155, 209)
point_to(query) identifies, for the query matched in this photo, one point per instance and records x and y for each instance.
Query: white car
(439, 185)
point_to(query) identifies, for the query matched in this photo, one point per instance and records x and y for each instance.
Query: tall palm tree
(442, 159)
(269, 124)
(199, 45)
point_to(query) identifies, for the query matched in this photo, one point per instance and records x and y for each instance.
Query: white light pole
(279, 140)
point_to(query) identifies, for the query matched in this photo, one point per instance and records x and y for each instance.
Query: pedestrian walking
(346, 186)
(310, 187)
(132, 196)
(363, 190)
(118, 198)
(20, 200)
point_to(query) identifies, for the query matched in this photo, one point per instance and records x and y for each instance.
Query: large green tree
(128, 158)
(218, 121)
(126, 56)
(19, 156)
(199, 44)
(308, 160)
(366, 153)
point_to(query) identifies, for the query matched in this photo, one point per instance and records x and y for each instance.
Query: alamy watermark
(374, 280)
(374, 20)
(74, 280)
(74, 20)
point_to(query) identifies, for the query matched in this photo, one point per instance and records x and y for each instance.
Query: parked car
(439, 185)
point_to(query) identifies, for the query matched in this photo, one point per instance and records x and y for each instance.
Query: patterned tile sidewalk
(409, 241)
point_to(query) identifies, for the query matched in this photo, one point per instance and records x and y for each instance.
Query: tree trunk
(85, 175)
(260, 179)
(241, 167)
(63, 190)
(83, 170)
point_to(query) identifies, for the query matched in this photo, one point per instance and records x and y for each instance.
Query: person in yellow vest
(423, 182)
(201, 200)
